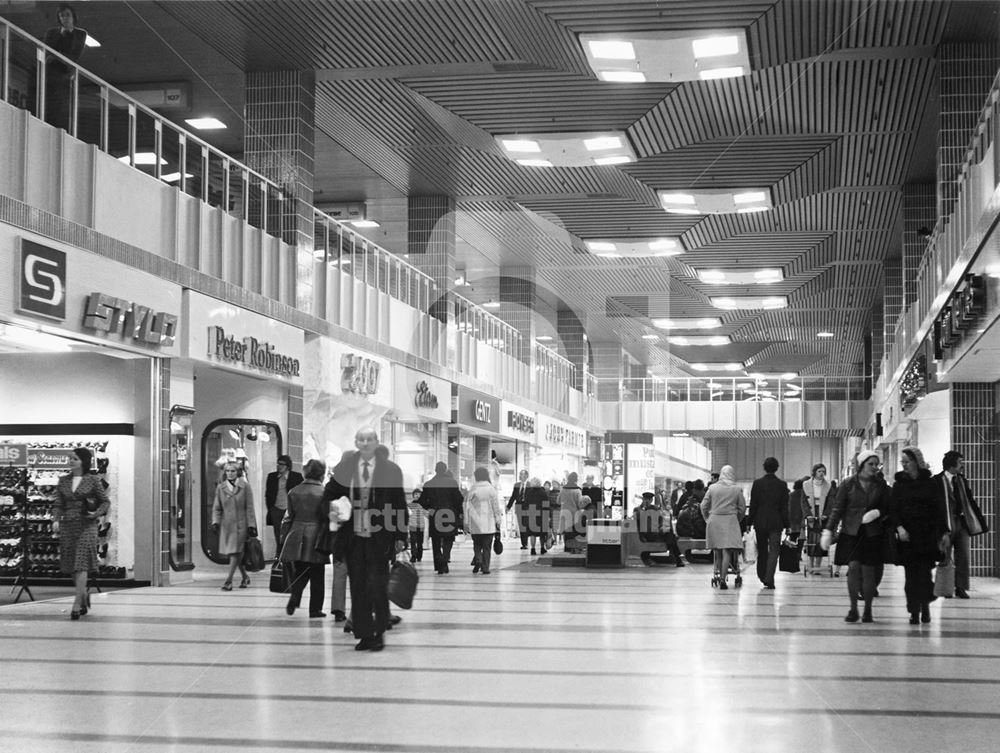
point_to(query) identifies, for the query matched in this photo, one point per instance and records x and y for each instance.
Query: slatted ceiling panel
(875, 159)
(793, 30)
(596, 16)
(816, 257)
(545, 101)
(814, 175)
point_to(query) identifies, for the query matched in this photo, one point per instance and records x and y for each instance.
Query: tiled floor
(529, 658)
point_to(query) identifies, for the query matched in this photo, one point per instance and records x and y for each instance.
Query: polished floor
(529, 658)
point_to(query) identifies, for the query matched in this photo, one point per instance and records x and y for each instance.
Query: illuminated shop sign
(424, 398)
(561, 435)
(249, 351)
(42, 281)
(359, 375)
(520, 422)
(960, 313)
(478, 410)
(133, 321)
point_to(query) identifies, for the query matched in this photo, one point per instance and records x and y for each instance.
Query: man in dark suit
(769, 517)
(963, 518)
(376, 532)
(276, 488)
(516, 496)
(443, 501)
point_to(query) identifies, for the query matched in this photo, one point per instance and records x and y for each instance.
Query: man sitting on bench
(653, 524)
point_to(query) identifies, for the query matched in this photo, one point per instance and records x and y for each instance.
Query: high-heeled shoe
(227, 586)
(74, 615)
(245, 583)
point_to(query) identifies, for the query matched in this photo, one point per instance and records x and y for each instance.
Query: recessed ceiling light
(824, 334)
(789, 375)
(717, 366)
(708, 340)
(534, 162)
(619, 159)
(544, 338)
(205, 124)
(750, 302)
(711, 47)
(663, 244)
(623, 77)
(712, 276)
(600, 246)
(636, 248)
(364, 223)
(799, 434)
(91, 42)
(142, 158)
(610, 49)
(677, 198)
(714, 73)
(602, 142)
(650, 337)
(749, 197)
(491, 305)
(751, 210)
(703, 323)
(739, 276)
(680, 434)
(716, 200)
(521, 145)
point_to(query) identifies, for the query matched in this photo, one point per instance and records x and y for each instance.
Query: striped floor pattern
(529, 658)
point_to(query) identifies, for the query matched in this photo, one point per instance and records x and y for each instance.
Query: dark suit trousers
(961, 552)
(767, 554)
(314, 574)
(442, 551)
(368, 568)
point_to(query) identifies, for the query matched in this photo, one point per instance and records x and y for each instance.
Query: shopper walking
(862, 500)
(571, 503)
(276, 487)
(918, 511)
(723, 507)
(537, 515)
(417, 526)
(769, 517)
(233, 520)
(517, 502)
(307, 521)
(443, 501)
(80, 500)
(482, 519)
(962, 518)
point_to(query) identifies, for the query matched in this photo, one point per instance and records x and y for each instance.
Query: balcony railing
(733, 389)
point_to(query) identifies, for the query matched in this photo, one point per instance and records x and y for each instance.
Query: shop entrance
(181, 438)
(255, 446)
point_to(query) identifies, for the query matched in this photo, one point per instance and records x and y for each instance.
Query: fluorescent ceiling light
(717, 366)
(650, 337)
(824, 334)
(702, 323)
(711, 47)
(491, 305)
(663, 244)
(534, 162)
(91, 42)
(600, 246)
(602, 142)
(750, 302)
(635, 248)
(544, 338)
(714, 73)
(677, 198)
(364, 223)
(205, 124)
(739, 276)
(623, 77)
(610, 49)
(749, 197)
(142, 158)
(680, 434)
(700, 340)
(521, 145)
(620, 159)
(751, 210)
(799, 434)
(174, 177)
(789, 375)
(716, 200)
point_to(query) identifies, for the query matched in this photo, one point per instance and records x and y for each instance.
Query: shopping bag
(789, 555)
(944, 580)
(749, 547)
(497, 543)
(279, 578)
(253, 555)
(402, 584)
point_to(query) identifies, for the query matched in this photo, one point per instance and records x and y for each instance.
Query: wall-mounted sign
(13, 454)
(249, 351)
(42, 281)
(522, 423)
(131, 320)
(477, 410)
(359, 374)
(563, 436)
(959, 314)
(419, 395)
(49, 458)
(517, 422)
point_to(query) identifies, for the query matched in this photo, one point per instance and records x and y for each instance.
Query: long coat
(482, 509)
(234, 512)
(306, 518)
(537, 513)
(722, 506)
(917, 506)
(443, 501)
(570, 503)
(769, 504)
(974, 520)
(77, 513)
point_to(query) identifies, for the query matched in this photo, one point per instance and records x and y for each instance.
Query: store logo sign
(482, 411)
(359, 375)
(133, 321)
(424, 398)
(520, 422)
(13, 454)
(250, 351)
(42, 281)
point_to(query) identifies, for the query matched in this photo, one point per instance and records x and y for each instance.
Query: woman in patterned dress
(80, 502)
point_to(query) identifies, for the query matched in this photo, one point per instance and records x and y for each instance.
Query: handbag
(403, 580)
(944, 579)
(497, 543)
(253, 555)
(890, 546)
(324, 540)
(279, 583)
(789, 555)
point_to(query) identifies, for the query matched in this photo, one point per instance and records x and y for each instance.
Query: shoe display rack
(15, 534)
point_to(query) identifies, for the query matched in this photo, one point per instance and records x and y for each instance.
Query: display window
(181, 436)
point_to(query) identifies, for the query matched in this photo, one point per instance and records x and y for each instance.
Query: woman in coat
(234, 520)
(723, 507)
(306, 519)
(861, 508)
(80, 501)
(917, 511)
(482, 519)
(570, 502)
(535, 508)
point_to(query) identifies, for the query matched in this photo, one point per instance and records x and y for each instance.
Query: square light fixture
(363, 223)
(670, 56)
(750, 302)
(717, 201)
(740, 276)
(583, 149)
(700, 323)
(699, 340)
(635, 248)
(205, 124)
(717, 366)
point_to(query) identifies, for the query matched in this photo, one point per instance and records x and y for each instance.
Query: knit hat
(864, 455)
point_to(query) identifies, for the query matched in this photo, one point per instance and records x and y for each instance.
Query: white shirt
(362, 518)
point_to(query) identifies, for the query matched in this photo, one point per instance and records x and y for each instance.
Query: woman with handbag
(233, 520)
(918, 511)
(482, 519)
(862, 506)
(80, 500)
(305, 532)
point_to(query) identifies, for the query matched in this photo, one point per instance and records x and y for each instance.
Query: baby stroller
(735, 555)
(815, 553)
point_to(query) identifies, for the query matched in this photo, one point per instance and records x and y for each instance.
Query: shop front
(234, 397)
(416, 429)
(475, 426)
(562, 448)
(516, 450)
(83, 340)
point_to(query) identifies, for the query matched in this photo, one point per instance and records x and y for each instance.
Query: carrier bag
(279, 578)
(402, 584)
(253, 555)
(944, 580)
(789, 555)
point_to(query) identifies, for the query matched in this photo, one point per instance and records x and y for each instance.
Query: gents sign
(42, 281)
(250, 351)
(478, 410)
(131, 320)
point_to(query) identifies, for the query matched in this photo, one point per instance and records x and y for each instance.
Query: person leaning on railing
(68, 40)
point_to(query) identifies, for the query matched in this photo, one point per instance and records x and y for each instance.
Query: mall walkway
(529, 658)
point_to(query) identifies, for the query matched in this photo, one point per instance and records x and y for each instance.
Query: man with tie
(963, 518)
(516, 500)
(376, 532)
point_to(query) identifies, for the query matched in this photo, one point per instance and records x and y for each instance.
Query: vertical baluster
(40, 83)
(105, 125)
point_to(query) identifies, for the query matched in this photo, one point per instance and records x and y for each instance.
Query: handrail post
(158, 148)
(40, 83)
(182, 161)
(104, 136)
(132, 123)
(74, 100)
(5, 73)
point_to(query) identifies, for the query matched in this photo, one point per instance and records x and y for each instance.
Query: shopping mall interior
(626, 246)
